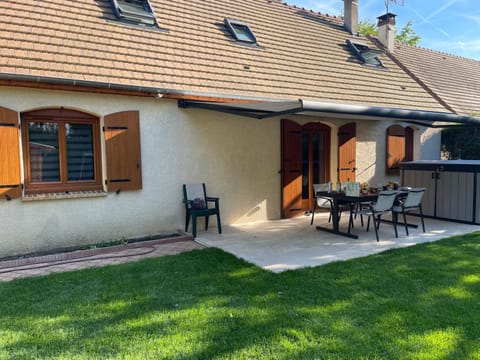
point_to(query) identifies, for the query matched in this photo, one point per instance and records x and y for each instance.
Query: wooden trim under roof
(114, 91)
(78, 88)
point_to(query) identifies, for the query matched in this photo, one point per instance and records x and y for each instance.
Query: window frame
(369, 57)
(61, 116)
(231, 23)
(136, 18)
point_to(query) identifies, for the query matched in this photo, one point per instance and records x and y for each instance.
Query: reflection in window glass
(44, 158)
(318, 159)
(80, 161)
(313, 163)
(305, 164)
(242, 32)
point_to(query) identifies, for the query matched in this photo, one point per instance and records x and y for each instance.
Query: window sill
(64, 195)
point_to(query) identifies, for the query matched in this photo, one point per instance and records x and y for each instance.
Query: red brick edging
(92, 252)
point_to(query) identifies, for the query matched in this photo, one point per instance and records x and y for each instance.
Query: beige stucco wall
(431, 143)
(238, 158)
(371, 149)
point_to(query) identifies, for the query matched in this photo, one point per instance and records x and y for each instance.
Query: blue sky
(451, 26)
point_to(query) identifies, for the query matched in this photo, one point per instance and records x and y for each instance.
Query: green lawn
(421, 302)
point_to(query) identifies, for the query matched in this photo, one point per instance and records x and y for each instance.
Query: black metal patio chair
(412, 202)
(382, 206)
(321, 202)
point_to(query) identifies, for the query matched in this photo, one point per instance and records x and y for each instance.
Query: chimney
(386, 30)
(350, 16)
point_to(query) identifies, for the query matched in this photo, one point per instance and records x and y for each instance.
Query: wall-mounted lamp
(159, 95)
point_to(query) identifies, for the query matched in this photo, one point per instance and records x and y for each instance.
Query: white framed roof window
(136, 11)
(240, 31)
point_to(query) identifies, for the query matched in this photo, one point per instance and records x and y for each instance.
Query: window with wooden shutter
(61, 151)
(10, 182)
(399, 147)
(122, 138)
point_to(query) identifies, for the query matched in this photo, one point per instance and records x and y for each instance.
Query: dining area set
(388, 204)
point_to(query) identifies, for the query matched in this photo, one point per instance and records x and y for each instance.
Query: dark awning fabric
(267, 109)
(256, 110)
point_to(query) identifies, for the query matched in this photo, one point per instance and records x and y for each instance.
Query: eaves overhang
(269, 109)
(259, 108)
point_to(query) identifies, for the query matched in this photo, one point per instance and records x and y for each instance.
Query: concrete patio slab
(281, 245)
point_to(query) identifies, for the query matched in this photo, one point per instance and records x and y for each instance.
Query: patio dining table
(339, 197)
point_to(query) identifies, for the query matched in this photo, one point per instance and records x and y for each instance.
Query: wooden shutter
(347, 150)
(395, 148)
(291, 169)
(122, 138)
(10, 182)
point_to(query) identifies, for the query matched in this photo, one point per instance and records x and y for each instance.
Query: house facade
(95, 143)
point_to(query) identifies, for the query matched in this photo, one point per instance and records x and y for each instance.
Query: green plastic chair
(198, 204)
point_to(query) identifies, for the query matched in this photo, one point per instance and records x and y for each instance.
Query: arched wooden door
(347, 148)
(305, 161)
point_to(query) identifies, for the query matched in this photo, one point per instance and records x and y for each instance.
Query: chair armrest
(414, 207)
(212, 199)
(325, 198)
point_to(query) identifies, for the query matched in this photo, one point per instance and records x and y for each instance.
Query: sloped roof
(300, 53)
(454, 79)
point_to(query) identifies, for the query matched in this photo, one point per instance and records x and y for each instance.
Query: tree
(367, 27)
(461, 143)
(406, 36)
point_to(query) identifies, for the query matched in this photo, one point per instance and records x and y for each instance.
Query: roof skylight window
(365, 54)
(137, 11)
(240, 31)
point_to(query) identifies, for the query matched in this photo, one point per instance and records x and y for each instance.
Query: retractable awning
(254, 109)
(268, 109)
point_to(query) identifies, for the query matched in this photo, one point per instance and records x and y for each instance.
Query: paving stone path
(76, 260)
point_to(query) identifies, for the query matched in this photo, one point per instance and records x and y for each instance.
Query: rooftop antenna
(387, 3)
